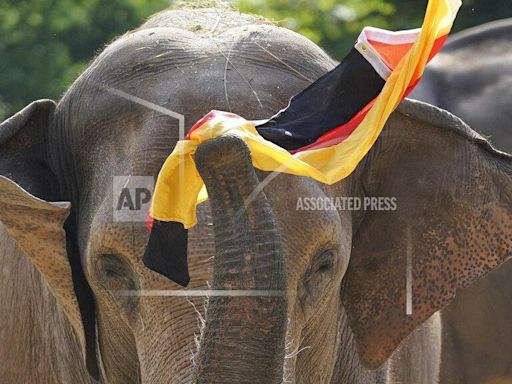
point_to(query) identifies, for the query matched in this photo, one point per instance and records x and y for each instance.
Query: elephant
(478, 340)
(330, 302)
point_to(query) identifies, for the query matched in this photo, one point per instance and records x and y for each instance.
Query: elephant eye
(114, 272)
(116, 277)
(324, 263)
(317, 280)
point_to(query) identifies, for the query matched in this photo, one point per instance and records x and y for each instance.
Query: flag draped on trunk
(323, 133)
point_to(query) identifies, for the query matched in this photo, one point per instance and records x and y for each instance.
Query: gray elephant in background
(472, 78)
(340, 315)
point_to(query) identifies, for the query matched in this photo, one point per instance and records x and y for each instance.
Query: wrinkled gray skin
(36, 338)
(192, 61)
(472, 78)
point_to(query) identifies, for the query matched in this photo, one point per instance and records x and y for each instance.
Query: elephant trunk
(243, 340)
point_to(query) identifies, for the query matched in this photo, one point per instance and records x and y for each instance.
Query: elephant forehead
(136, 99)
(262, 65)
(156, 49)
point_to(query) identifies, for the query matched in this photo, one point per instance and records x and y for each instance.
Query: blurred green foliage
(45, 44)
(335, 24)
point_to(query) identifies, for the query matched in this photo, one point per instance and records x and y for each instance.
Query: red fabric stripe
(340, 133)
(149, 223)
(438, 45)
(210, 116)
(391, 54)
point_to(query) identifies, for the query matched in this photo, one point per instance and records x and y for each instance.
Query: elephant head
(317, 279)
(123, 117)
(319, 271)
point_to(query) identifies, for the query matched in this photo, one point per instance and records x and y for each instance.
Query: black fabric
(166, 252)
(331, 101)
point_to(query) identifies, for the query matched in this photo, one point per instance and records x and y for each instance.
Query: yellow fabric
(179, 186)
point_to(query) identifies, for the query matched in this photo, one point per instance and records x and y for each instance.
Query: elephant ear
(452, 225)
(27, 187)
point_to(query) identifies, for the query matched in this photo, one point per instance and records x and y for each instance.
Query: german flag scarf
(323, 133)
